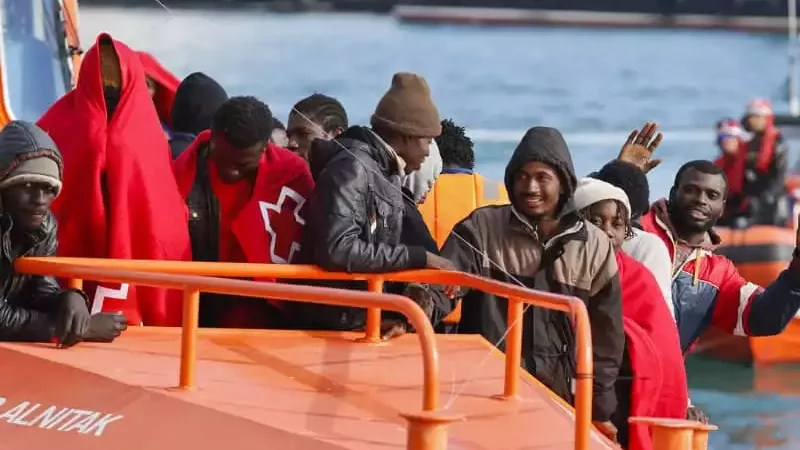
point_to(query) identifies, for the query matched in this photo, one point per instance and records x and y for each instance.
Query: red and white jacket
(708, 290)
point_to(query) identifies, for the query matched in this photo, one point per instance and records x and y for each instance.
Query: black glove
(421, 296)
(72, 320)
(105, 327)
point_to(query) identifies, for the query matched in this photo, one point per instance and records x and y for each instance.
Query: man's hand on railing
(72, 320)
(437, 262)
(608, 429)
(392, 328)
(697, 415)
(105, 327)
(638, 149)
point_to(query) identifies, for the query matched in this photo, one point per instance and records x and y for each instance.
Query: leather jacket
(29, 303)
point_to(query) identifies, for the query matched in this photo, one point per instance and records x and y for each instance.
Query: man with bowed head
(355, 213)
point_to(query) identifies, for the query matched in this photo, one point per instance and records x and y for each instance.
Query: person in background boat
(534, 241)
(35, 308)
(197, 99)
(314, 117)
(245, 196)
(119, 198)
(652, 377)
(762, 168)
(731, 161)
(644, 247)
(278, 136)
(456, 148)
(356, 211)
(162, 86)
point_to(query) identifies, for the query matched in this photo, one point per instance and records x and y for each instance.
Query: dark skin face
(28, 204)
(536, 193)
(302, 132)
(235, 164)
(413, 150)
(696, 203)
(611, 218)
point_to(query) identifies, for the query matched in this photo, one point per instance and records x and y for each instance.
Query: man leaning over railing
(35, 308)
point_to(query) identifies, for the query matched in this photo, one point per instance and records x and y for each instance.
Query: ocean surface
(594, 85)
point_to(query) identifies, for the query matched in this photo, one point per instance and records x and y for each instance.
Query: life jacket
(454, 197)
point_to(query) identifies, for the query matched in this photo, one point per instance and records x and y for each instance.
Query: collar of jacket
(572, 227)
(401, 163)
(32, 238)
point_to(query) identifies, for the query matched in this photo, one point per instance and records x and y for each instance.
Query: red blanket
(269, 227)
(137, 213)
(659, 376)
(167, 86)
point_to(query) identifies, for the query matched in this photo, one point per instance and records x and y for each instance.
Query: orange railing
(76, 269)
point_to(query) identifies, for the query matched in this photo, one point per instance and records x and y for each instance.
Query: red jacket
(119, 198)
(708, 290)
(659, 387)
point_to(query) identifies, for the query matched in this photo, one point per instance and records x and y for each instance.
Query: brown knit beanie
(407, 108)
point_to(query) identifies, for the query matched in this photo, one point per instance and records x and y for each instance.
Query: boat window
(34, 56)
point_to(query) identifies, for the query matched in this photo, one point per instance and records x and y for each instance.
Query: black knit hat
(630, 179)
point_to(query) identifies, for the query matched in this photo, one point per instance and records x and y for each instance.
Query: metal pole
(794, 104)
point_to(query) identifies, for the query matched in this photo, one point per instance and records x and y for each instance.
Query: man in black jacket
(35, 308)
(534, 242)
(355, 212)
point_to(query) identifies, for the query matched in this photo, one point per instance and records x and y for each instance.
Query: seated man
(244, 196)
(731, 161)
(652, 379)
(119, 198)
(456, 149)
(356, 211)
(535, 242)
(314, 117)
(35, 308)
(196, 101)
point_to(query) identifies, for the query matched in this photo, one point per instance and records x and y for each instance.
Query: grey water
(594, 85)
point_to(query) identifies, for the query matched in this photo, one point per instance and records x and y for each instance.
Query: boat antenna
(794, 103)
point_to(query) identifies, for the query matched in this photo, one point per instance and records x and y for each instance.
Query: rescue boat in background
(40, 51)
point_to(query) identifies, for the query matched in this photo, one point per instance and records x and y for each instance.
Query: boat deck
(282, 389)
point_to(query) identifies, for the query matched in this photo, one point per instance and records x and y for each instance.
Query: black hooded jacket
(29, 303)
(579, 261)
(196, 101)
(354, 221)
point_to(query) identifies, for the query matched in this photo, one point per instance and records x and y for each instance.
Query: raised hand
(638, 149)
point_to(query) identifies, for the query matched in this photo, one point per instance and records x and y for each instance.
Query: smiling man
(534, 241)
(707, 289)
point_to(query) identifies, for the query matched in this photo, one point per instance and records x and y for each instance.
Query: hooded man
(356, 211)
(35, 308)
(197, 99)
(534, 241)
(162, 86)
(119, 198)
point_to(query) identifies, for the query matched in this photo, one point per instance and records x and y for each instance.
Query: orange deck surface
(266, 389)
